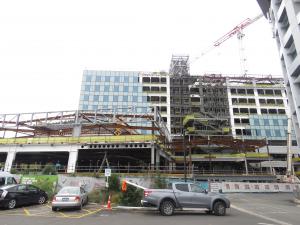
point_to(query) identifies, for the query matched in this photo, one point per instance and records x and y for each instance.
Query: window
(155, 89)
(182, 187)
(279, 101)
(96, 98)
(269, 92)
(126, 79)
(196, 188)
(135, 89)
(233, 91)
(264, 111)
(88, 78)
(262, 101)
(105, 98)
(163, 109)
(266, 122)
(268, 133)
(256, 122)
(260, 91)
(277, 133)
(272, 111)
(250, 91)
(163, 80)
(115, 98)
(117, 79)
(163, 99)
(236, 121)
(134, 98)
(235, 110)
(97, 88)
(281, 111)
(107, 79)
(116, 88)
(241, 91)
(238, 131)
(21, 188)
(253, 111)
(125, 98)
(146, 79)
(32, 188)
(11, 180)
(106, 88)
(145, 88)
(2, 181)
(277, 92)
(163, 89)
(251, 101)
(125, 89)
(87, 87)
(154, 80)
(245, 121)
(85, 98)
(258, 132)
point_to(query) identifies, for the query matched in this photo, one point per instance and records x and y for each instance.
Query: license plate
(65, 199)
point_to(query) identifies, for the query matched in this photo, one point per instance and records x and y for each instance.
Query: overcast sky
(45, 45)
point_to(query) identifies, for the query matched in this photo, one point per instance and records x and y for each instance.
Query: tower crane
(238, 31)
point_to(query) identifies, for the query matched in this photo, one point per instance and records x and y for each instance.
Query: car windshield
(69, 191)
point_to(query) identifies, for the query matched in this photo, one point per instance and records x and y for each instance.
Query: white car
(70, 197)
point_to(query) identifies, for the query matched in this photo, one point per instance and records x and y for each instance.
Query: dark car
(21, 194)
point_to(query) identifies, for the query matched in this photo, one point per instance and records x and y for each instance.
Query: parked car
(6, 178)
(185, 195)
(21, 194)
(70, 197)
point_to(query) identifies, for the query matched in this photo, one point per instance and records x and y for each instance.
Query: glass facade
(112, 90)
(274, 127)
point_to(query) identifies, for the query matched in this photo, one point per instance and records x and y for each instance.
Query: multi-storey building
(285, 17)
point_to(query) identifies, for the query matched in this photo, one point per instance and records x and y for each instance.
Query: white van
(6, 178)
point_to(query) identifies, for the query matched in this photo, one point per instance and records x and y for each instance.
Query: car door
(33, 194)
(183, 194)
(200, 198)
(22, 195)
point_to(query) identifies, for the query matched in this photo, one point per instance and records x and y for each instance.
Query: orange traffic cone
(108, 204)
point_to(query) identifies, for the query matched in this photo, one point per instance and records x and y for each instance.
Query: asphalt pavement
(247, 209)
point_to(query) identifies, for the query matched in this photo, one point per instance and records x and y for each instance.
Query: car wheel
(12, 204)
(167, 208)
(219, 208)
(54, 209)
(42, 200)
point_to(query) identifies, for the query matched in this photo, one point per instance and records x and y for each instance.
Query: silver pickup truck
(182, 196)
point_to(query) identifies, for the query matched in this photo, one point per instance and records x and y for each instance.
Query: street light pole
(184, 152)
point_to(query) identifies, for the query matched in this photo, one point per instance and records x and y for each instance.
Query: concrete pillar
(73, 156)
(157, 162)
(152, 156)
(11, 155)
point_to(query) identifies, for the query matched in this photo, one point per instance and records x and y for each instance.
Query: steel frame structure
(100, 122)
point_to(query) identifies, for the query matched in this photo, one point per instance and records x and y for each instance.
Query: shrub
(114, 182)
(159, 182)
(49, 169)
(132, 197)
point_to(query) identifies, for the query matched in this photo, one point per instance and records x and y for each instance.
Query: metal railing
(128, 169)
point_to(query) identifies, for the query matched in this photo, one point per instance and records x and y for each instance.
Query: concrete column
(73, 156)
(157, 162)
(11, 155)
(152, 156)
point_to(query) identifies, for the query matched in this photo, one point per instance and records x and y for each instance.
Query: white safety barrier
(243, 187)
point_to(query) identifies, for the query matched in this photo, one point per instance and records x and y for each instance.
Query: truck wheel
(166, 208)
(219, 208)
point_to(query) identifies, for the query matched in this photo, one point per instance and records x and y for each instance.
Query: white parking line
(260, 216)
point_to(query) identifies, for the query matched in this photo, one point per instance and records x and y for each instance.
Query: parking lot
(46, 211)
(247, 209)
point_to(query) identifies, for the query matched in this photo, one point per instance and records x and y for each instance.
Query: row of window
(116, 98)
(112, 88)
(161, 80)
(154, 89)
(254, 111)
(115, 79)
(270, 122)
(261, 101)
(157, 99)
(259, 91)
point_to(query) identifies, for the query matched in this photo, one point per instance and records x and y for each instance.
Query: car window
(69, 191)
(182, 187)
(196, 188)
(21, 188)
(82, 191)
(31, 188)
(11, 180)
(2, 180)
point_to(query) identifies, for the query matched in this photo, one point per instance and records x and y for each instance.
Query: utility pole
(184, 152)
(289, 171)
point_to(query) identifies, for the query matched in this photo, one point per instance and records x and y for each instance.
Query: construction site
(174, 123)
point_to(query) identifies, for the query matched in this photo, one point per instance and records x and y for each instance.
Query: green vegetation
(49, 169)
(132, 197)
